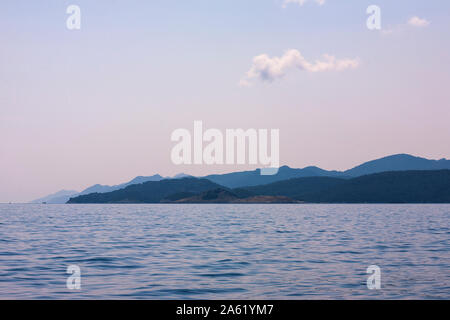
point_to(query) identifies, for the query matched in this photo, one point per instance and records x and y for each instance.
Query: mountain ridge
(148, 192)
(396, 162)
(424, 186)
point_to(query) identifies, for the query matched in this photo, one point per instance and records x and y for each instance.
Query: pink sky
(98, 105)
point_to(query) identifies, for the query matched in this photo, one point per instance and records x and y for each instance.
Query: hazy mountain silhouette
(58, 197)
(148, 192)
(64, 196)
(428, 186)
(398, 162)
(254, 178)
(102, 189)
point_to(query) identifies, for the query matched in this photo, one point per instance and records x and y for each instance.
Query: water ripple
(225, 251)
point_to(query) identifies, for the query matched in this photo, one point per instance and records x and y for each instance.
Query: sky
(99, 104)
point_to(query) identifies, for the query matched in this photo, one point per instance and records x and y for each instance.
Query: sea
(225, 251)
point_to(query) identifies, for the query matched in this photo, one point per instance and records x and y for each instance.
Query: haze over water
(225, 251)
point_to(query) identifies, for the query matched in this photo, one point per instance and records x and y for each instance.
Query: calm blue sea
(291, 251)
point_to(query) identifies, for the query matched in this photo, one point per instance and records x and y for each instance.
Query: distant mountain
(103, 189)
(148, 192)
(57, 198)
(254, 178)
(61, 197)
(428, 186)
(398, 162)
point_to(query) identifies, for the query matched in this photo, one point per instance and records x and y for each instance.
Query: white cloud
(418, 22)
(301, 2)
(269, 69)
(413, 22)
